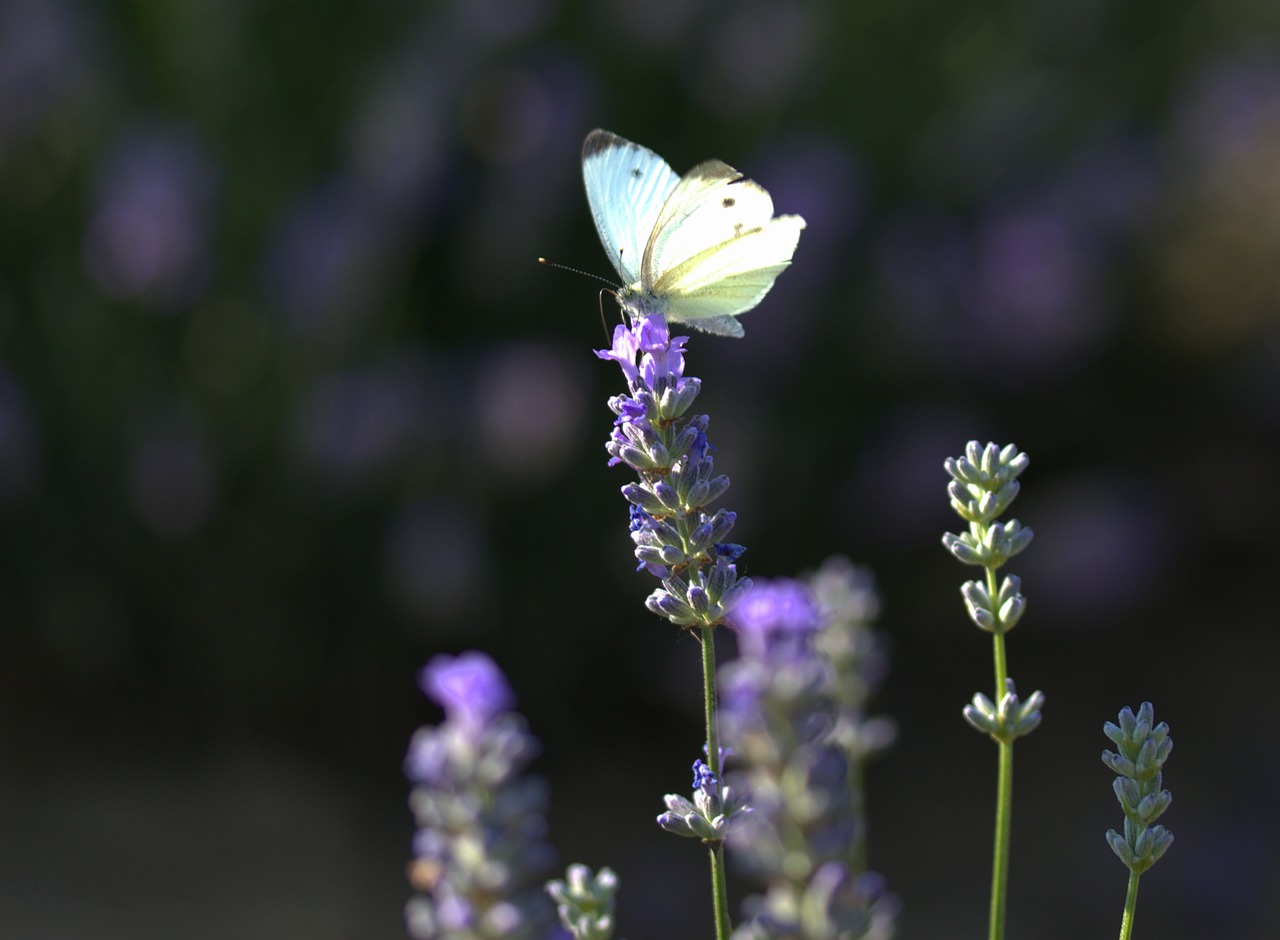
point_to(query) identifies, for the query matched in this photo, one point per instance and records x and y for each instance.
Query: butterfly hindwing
(729, 278)
(627, 186)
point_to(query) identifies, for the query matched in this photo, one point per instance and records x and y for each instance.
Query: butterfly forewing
(627, 186)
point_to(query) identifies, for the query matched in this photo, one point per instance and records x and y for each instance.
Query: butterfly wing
(710, 289)
(627, 186)
(716, 248)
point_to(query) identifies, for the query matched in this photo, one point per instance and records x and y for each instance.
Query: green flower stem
(1004, 792)
(997, 638)
(1000, 861)
(719, 890)
(1130, 907)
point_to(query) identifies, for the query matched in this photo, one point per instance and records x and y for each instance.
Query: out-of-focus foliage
(287, 404)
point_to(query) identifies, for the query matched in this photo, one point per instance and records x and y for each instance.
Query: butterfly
(699, 249)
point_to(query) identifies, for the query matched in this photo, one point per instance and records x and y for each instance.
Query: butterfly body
(699, 249)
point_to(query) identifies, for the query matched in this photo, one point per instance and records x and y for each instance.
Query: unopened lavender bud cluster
(711, 812)
(794, 723)
(585, 902)
(479, 849)
(1143, 746)
(984, 481)
(678, 540)
(1008, 718)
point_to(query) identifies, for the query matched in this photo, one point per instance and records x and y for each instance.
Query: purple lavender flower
(676, 539)
(470, 688)
(480, 850)
(774, 613)
(792, 712)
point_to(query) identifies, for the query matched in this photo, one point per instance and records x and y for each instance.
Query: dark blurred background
(288, 406)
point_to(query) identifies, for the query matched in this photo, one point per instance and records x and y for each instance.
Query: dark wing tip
(600, 139)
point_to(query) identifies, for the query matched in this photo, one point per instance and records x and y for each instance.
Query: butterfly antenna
(565, 267)
(612, 290)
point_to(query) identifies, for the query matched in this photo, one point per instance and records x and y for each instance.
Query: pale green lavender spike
(1143, 748)
(585, 902)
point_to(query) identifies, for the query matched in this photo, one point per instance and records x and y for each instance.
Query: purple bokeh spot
(40, 63)
(148, 237)
(323, 259)
(1230, 106)
(529, 410)
(354, 425)
(1028, 263)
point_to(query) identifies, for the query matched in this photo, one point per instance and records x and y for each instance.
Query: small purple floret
(470, 688)
(774, 612)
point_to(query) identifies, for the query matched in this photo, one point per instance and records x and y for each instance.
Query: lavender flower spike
(480, 849)
(677, 539)
(792, 712)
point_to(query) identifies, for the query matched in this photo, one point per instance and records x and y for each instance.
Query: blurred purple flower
(480, 850)
(354, 425)
(1016, 298)
(1029, 265)
(1037, 306)
(323, 260)
(148, 237)
(1230, 105)
(774, 613)
(469, 687)
(529, 410)
(40, 63)
(1111, 187)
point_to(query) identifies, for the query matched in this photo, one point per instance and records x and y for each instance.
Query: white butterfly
(700, 248)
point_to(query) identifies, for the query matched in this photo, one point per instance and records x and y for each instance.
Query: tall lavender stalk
(794, 714)
(677, 539)
(480, 849)
(984, 482)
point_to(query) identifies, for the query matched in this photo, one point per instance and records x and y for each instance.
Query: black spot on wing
(728, 202)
